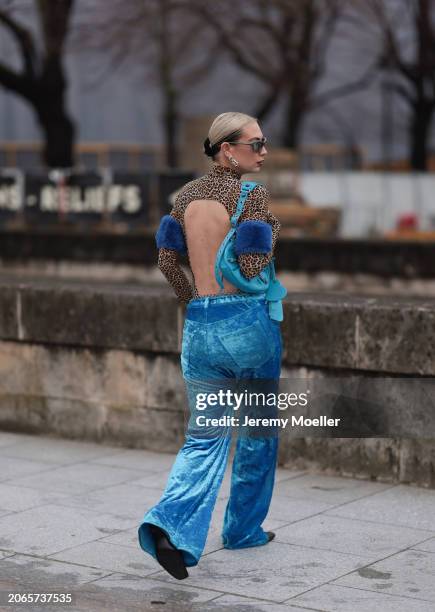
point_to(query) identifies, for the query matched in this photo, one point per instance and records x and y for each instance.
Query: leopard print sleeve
(256, 208)
(174, 274)
(169, 265)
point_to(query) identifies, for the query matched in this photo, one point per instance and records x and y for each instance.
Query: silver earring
(233, 160)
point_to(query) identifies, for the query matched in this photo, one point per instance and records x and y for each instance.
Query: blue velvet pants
(225, 338)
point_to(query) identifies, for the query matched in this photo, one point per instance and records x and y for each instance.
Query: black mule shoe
(169, 557)
(270, 535)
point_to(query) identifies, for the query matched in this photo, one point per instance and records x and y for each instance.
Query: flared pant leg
(252, 481)
(255, 460)
(185, 509)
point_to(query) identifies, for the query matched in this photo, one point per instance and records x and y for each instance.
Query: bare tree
(41, 81)
(285, 44)
(165, 38)
(407, 31)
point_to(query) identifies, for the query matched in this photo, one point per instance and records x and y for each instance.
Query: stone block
(10, 310)
(374, 458)
(99, 318)
(311, 329)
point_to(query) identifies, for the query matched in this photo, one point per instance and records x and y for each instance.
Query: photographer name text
(296, 421)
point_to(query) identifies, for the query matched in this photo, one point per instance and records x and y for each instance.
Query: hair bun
(207, 147)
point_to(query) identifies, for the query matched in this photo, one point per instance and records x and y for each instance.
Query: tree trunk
(267, 104)
(419, 134)
(58, 129)
(295, 112)
(58, 132)
(171, 120)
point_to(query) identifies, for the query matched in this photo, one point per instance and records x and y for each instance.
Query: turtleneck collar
(225, 171)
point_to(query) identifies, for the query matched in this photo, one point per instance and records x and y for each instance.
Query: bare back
(203, 208)
(206, 224)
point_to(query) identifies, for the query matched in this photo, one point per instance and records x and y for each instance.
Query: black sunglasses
(256, 145)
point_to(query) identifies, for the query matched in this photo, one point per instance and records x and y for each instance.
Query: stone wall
(379, 258)
(101, 362)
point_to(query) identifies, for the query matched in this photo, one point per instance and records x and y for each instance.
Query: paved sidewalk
(69, 513)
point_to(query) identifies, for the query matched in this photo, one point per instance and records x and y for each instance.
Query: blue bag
(226, 266)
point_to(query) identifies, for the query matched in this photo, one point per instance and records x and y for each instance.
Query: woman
(228, 336)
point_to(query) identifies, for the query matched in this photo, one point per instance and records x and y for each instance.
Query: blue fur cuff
(170, 235)
(253, 237)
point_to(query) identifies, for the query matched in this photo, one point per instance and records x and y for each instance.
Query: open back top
(198, 223)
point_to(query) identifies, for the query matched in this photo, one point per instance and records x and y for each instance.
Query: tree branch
(344, 127)
(348, 88)
(13, 81)
(228, 40)
(54, 16)
(24, 40)
(268, 102)
(321, 48)
(402, 91)
(266, 26)
(194, 74)
(391, 47)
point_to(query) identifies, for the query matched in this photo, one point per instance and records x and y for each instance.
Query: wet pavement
(69, 513)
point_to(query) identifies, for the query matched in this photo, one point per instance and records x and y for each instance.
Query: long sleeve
(256, 209)
(170, 241)
(174, 274)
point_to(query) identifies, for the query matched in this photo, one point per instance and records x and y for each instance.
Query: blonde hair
(227, 126)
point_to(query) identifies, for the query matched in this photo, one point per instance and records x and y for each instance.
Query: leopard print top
(221, 184)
